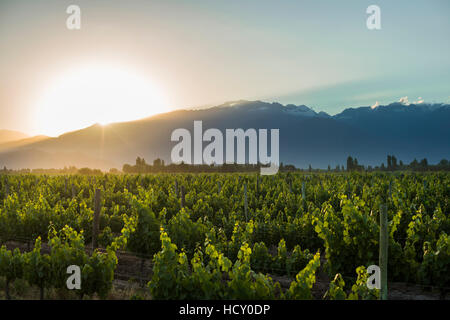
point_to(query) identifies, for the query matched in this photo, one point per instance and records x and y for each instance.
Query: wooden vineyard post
(257, 185)
(73, 190)
(245, 201)
(219, 187)
(303, 195)
(349, 194)
(176, 188)
(65, 186)
(95, 225)
(182, 196)
(383, 256)
(390, 189)
(7, 188)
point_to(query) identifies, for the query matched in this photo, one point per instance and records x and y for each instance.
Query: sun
(96, 94)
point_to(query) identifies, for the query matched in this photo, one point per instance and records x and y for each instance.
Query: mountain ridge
(306, 136)
(11, 135)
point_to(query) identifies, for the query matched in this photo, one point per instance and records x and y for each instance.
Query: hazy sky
(205, 52)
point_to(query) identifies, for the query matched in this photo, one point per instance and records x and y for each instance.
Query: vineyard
(225, 236)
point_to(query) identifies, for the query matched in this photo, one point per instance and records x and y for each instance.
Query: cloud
(404, 100)
(419, 100)
(375, 105)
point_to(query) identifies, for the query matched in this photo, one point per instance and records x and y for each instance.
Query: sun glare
(90, 95)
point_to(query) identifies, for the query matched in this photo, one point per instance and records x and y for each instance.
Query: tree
(424, 163)
(414, 164)
(352, 164)
(141, 166)
(127, 168)
(157, 162)
(349, 163)
(391, 162)
(394, 162)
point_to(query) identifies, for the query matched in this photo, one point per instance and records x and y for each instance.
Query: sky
(135, 58)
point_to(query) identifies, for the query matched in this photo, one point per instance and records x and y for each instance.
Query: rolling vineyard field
(227, 236)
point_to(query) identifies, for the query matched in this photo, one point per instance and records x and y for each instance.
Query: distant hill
(10, 135)
(11, 145)
(306, 137)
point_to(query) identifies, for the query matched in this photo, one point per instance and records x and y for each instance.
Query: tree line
(393, 165)
(159, 166)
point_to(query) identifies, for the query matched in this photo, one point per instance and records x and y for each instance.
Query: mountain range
(10, 135)
(307, 137)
